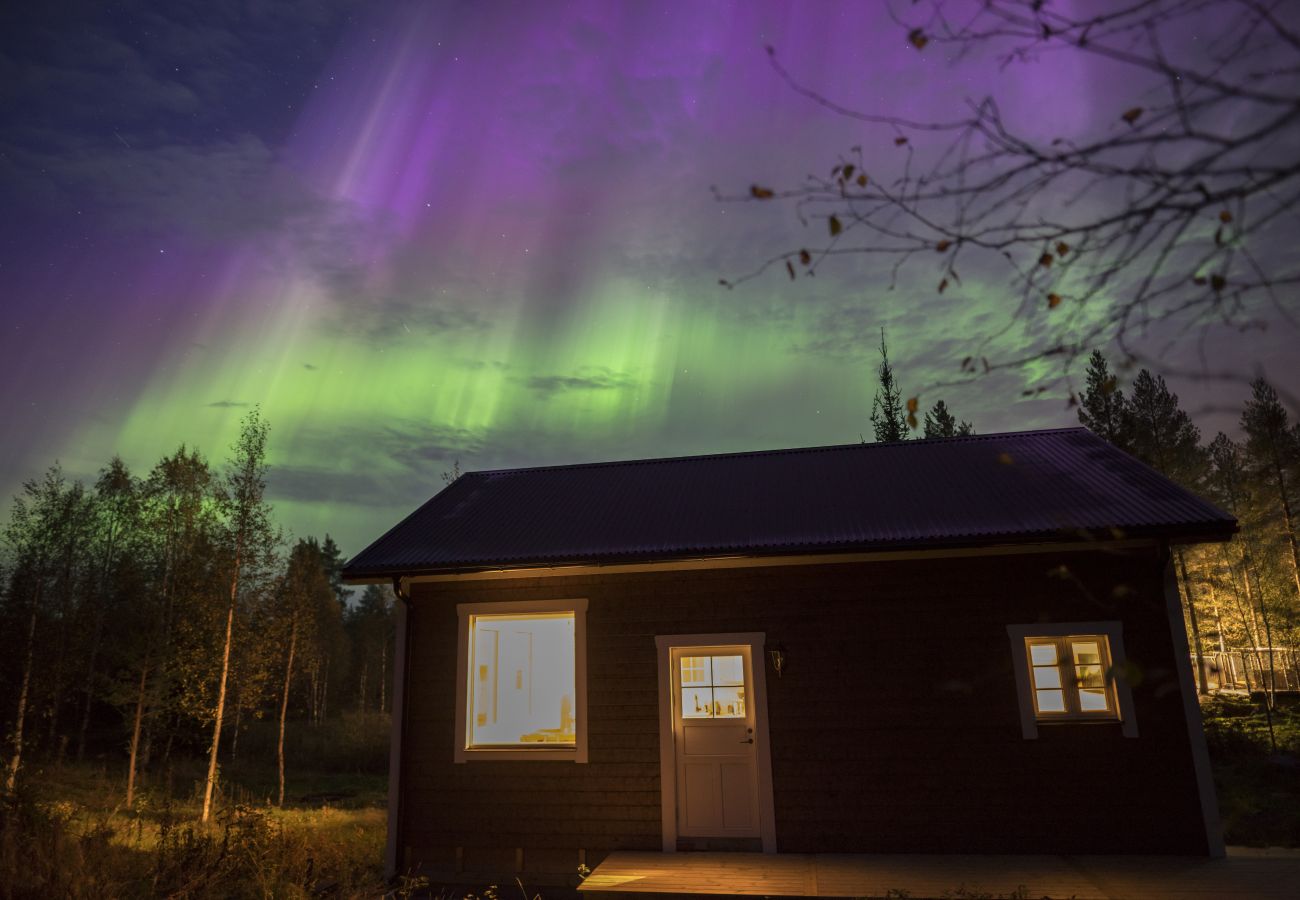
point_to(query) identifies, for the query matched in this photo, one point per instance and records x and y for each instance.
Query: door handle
(747, 741)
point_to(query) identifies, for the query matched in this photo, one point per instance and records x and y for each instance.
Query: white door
(714, 740)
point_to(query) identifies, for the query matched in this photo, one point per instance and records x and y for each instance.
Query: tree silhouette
(1103, 409)
(939, 422)
(888, 419)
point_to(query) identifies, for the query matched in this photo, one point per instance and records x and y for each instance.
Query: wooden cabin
(965, 645)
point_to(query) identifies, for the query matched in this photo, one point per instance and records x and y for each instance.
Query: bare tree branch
(1171, 215)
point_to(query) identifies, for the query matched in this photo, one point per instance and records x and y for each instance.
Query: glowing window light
(522, 680)
(1069, 677)
(713, 687)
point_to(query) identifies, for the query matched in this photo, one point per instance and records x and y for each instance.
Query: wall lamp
(776, 653)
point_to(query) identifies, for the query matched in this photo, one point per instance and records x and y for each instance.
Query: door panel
(738, 797)
(701, 800)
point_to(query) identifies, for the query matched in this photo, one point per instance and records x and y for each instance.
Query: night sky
(420, 233)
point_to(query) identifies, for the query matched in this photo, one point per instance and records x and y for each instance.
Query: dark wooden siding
(895, 726)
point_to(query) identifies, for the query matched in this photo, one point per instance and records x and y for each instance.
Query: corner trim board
(1192, 713)
(395, 742)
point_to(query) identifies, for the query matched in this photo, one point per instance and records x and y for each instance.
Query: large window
(520, 681)
(1071, 672)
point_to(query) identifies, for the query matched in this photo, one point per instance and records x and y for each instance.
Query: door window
(713, 687)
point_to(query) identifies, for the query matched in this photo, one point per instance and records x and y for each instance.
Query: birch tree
(248, 541)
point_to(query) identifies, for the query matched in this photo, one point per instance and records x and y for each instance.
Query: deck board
(1244, 873)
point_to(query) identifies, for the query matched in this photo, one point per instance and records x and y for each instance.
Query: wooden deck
(1244, 873)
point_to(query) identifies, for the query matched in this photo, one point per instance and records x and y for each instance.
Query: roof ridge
(778, 450)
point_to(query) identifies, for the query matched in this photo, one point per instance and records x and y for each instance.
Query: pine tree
(1227, 485)
(888, 417)
(370, 626)
(1164, 437)
(1271, 453)
(306, 586)
(1103, 409)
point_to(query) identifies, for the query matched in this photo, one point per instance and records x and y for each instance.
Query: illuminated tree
(1272, 454)
(1164, 437)
(248, 542)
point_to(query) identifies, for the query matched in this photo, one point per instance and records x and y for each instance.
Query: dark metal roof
(1020, 487)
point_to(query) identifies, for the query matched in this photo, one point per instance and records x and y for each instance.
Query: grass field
(68, 835)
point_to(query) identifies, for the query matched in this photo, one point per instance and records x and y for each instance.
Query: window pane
(695, 670)
(729, 702)
(697, 703)
(728, 670)
(1092, 700)
(1051, 701)
(1086, 652)
(1089, 676)
(1047, 677)
(1042, 654)
(523, 680)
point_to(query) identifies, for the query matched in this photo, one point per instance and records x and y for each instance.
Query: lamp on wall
(776, 653)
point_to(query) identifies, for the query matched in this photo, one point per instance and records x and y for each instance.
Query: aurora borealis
(424, 232)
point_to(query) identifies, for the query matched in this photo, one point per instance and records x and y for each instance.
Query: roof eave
(1209, 532)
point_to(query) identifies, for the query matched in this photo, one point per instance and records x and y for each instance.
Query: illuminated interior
(713, 687)
(1069, 676)
(522, 677)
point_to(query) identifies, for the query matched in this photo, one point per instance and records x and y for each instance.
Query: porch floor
(1245, 872)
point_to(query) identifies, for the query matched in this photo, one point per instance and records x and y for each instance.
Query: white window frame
(576, 753)
(1120, 688)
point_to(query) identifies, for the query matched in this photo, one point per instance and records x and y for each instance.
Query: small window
(1071, 672)
(521, 671)
(1069, 677)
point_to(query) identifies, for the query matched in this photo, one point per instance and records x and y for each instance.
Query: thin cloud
(593, 380)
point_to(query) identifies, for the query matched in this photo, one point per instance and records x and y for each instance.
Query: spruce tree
(1103, 409)
(939, 422)
(333, 559)
(888, 418)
